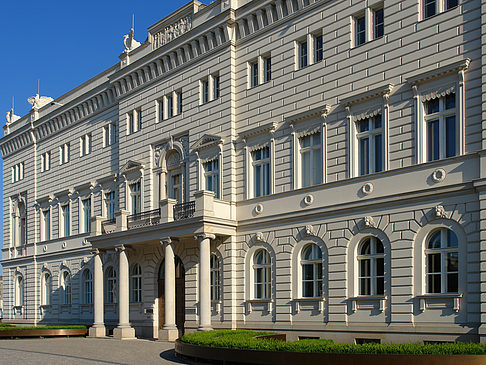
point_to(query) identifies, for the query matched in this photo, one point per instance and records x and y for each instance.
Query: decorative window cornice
(207, 141)
(322, 112)
(439, 72)
(266, 128)
(131, 166)
(438, 92)
(370, 113)
(382, 91)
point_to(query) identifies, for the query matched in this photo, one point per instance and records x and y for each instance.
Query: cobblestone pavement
(86, 351)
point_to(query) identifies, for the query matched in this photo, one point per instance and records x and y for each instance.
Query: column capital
(203, 236)
(120, 248)
(168, 240)
(95, 251)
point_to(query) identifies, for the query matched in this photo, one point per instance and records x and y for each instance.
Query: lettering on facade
(172, 31)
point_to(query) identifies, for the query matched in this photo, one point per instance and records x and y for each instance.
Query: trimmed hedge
(8, 327)
(244, 340)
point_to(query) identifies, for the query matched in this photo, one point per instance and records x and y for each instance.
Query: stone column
(123, 330)
(98, 328)
(204, 281)
(169, 331)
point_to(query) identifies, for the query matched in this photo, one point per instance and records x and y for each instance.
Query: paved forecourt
(84, 351)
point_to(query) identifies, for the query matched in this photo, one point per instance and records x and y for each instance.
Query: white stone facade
(288, 126)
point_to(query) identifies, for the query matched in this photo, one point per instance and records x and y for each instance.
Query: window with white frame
(135, 198)
(311, 263)
(310, 159)
(65, 221)
(64, 153)
(204, 91)
(370, 144)
(46, 289)
(368, 24)
(267, 69)
(18, 172)
(432, 7)
(45, 161)
(110, 285)
(19, 291)
(170, 106)
(110, 134)
(85, 145)
(371, 266)
(134, 121)
(175, 186)
(20, 224)
(66, 287)
(262, 275)
(211, 176)
(87, 287)
(318, 48)
(209, 89)
(136, 284)
(110, 205)
(254, 73)
(86, 214)
(442, 129)
(216, 86)
(178, 97)
(46, 225)
(215, 278)
(159, 104)
(442, 262)
(303, 51)
(261, 171)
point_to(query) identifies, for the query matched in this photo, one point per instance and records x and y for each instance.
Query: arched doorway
(180, 295)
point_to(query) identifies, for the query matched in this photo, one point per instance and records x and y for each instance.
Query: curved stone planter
(270, 357)
(44, 333)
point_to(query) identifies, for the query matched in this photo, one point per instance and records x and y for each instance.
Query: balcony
(144, 219)
(184, 210)
(109, 226)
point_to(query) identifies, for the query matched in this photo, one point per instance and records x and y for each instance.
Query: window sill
(455, 297)
(368, 298)
(252, 303)
(438, 13)
(298, 303)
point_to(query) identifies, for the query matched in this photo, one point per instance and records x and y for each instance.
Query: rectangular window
(311, 160)
(160, 110)
(64, 154)
(211, 174)
(138, 115)
(441, 127)
(179, 102)
(429, 8)
(175, 187)
(261, 172)
(45, 161)
(318, 48)
(110, 134)
(267, 69)
(254, 80)
(370, 145)
(135, 198)
(204, 91)
(303, 54)
(360, 30)
(18, 172)
(216, 87)
(85, 145)
(378, 22)
(170, 106)
(87, 215)
(66, 221)
(449, 4)
(110, 205)
(130, 123)
(46, 225)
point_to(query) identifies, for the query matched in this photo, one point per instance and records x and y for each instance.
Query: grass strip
(244, 340)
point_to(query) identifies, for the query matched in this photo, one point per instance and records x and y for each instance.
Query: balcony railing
(143, 219)
(184, 210)
(109, 226)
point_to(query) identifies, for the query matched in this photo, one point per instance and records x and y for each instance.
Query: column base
(169, 334)
(124, 333)
(97, 331)
(204, 328)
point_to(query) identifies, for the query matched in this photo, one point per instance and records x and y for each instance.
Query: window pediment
(206, 141)
(382, 91)
(439, 72)
(131, 166)
(265, 128)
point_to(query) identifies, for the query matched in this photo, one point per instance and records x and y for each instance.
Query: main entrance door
(180, 295)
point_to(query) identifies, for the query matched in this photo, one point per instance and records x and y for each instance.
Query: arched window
(136, 284)
(110, 286)
(46, 289)
(262, 272)
(442, 262)
(311, 261)
(19, 291)
(66, 287)
(215, 278)
(87, 287)
(371, 264)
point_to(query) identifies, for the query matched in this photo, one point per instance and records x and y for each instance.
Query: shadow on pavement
(170, 355)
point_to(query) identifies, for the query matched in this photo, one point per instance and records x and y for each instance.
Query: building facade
(307, 166)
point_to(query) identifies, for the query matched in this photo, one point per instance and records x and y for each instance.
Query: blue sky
(64, 43)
